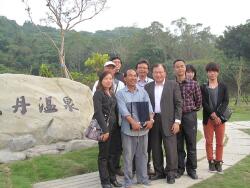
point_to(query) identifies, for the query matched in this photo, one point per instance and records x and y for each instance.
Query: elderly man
(165, 97)
(134, 104)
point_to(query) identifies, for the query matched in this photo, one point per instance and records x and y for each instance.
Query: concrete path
(237, 146)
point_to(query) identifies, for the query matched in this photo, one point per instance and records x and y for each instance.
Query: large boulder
(48, 110)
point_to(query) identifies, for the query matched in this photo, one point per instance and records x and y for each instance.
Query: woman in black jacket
(105, 112)
(215, 100)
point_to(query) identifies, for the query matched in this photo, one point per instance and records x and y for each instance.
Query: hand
(149, 124)
(136, 126)
(175, 128)
(217, 121)
(213, 116)
(104, 137)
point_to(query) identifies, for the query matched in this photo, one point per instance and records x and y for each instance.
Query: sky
(141, 13)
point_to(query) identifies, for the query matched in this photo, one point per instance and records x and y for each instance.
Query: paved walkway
(237, 146)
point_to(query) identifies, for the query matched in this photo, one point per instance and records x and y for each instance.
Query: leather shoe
(157, 177)
(106, 186)
(170, 180)
(178, 175)
(116, 183)
(193, 176)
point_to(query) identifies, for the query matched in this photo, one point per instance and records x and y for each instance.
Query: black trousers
(170, 147)
(187, 135)
(105, 164)
(116, 146)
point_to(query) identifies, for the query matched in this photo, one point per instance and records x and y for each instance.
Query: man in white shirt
(165, 97)
(142, 70)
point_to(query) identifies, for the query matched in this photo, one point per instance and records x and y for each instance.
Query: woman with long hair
(190, 72)
(105, 112)
(215, 100)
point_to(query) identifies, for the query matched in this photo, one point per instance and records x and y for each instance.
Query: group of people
(139, 116)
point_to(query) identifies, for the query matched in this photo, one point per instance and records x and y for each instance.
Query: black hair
(179, 60)
(159, 65)
(142, 61)
(190, 68)
(125, 74)
(212, 67)
(101, 77)
(115, 57)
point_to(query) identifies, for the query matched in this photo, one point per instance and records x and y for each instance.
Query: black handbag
(225, 116)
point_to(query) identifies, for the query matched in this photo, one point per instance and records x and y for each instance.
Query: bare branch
(96, 12)
(39, 29)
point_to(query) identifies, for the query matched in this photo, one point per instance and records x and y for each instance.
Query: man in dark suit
(165, 97)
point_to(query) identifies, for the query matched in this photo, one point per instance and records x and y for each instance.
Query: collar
(183, 81)
(162, 84)
(127, 90)
(146, 79)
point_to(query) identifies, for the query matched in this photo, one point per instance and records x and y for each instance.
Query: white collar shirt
(158, 92)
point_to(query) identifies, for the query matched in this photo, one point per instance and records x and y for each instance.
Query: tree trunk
(239, 83)
(61, 54)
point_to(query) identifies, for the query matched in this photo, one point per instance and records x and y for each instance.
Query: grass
(236, 176)
(23, 174)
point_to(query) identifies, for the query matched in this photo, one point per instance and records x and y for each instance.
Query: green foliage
(45, 72)
(96, 61)
(236, 41)
(86, 78)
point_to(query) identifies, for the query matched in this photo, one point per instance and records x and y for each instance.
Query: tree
(66, 14)
(193, 39)
(235, 43)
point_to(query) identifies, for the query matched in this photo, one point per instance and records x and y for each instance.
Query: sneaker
(211, 166)
(218, 166)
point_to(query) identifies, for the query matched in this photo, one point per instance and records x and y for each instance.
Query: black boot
(211, 166)
(218, 166)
